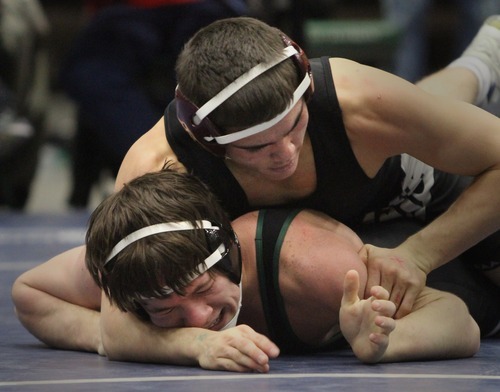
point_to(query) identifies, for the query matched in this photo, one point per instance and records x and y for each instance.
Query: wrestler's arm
(238, 349)
(325, 256)
(47, 302)
(387, 116)
(148, 154)
(58, 302)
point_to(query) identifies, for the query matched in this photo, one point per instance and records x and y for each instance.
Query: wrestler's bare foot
(366, 324)
(486, 47)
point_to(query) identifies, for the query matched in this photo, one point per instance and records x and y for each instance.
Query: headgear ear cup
(186, 110)
(301, 63)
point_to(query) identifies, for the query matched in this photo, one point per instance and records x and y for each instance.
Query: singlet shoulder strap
(272, 226)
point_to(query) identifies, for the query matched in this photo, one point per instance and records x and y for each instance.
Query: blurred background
(81, 80)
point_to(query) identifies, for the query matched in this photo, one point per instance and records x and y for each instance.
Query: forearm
(438, 327)
(240, 349)
(126, 338)
(474, 216)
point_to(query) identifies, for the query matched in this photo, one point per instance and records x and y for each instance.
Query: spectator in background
(120, 73)
(411, 59)
(23, 26)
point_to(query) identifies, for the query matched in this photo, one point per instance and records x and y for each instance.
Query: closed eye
(161, 311)
(262, 146)
(206, 288)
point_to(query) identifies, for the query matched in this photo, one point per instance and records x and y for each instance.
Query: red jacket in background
(94, 5)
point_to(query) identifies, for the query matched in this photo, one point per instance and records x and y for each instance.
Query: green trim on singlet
(273, 304)
(272, 225)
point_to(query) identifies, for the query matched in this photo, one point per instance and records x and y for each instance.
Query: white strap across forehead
(210, 261)
(244, 79)
(232, 137)
(156, 229)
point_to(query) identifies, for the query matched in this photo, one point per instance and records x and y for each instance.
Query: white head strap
(232, 137)
(161, 228)
(241, 81)
(236, 85)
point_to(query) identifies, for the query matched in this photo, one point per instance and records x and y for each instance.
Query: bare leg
(457, 82)
(475, 76)
(439, 326)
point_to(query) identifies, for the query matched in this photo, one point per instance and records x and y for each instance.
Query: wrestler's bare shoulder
(148, 154)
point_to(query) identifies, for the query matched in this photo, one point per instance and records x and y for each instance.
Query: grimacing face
(210, 301)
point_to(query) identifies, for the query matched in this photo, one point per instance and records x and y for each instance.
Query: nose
(197, 314)
(284, 149)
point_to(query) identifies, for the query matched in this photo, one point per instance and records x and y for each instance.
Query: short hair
(146, 266)
(224, 50)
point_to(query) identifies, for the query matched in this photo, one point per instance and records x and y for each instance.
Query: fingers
(239, 349)
(255, 355)
(405, 292)
(386, 325)
(384, 308)
(398, 286)
(242, 360)
(397, 273)
(407, 302)
(395, 280)
(351, 288)
(374, 277)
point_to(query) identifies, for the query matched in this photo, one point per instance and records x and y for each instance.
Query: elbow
(475, 337)
(27, 308)
(110, 348)
(471, 340)
(115, 349)
(22, 299)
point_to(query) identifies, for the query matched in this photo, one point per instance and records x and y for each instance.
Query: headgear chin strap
(196, 122)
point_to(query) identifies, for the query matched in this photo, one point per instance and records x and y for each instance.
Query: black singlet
(343, 189)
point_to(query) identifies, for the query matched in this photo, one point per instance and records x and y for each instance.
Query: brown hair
(224, 50)
(145, 266)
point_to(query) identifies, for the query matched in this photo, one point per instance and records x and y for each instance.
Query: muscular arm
(386, 116)
(148, 154)
(59, 303)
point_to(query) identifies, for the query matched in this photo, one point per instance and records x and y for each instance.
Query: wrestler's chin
(282, 172)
